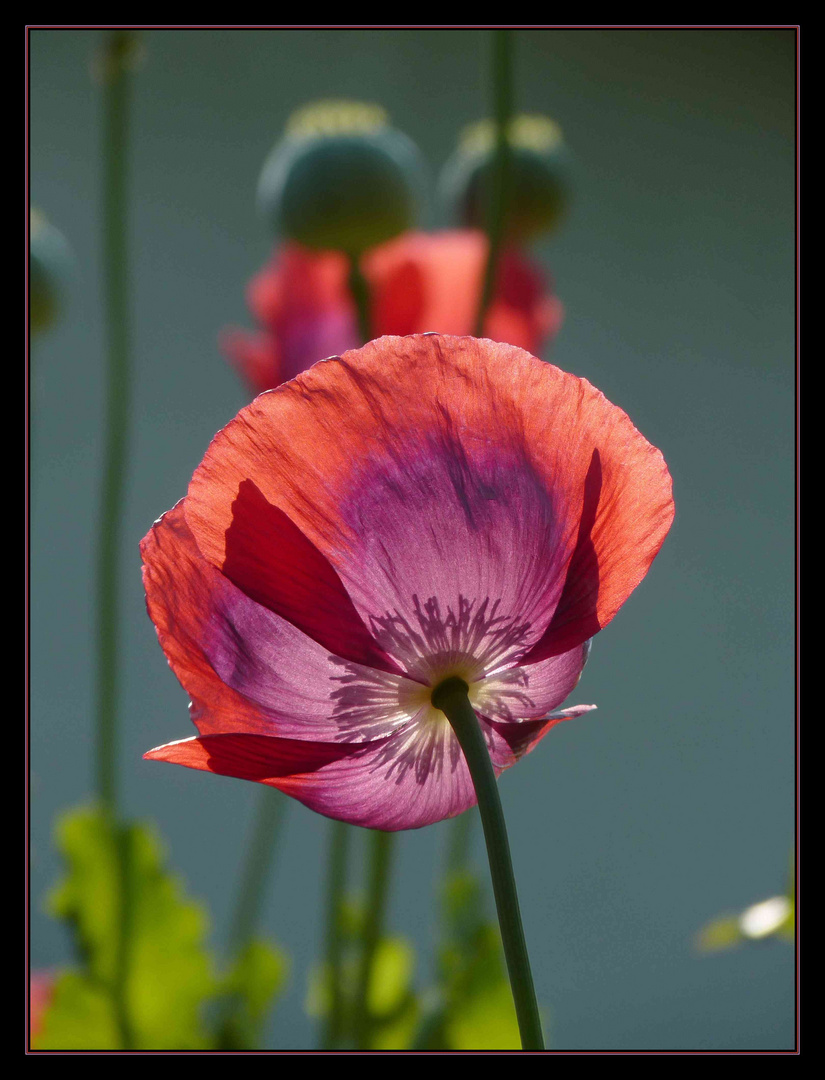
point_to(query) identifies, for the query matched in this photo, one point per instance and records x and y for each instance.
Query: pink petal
(271, 560)
(513, 741)
(530, 691)
(246, 668)
(385, 785)
(252, 757)
(405, 781)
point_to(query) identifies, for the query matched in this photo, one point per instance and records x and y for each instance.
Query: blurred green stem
(118, 380)
(451, 697)
(115, 75)
(269, 816)
(260, 854)
(380, 854)
(502, 72)
(360, 291)
(336, 890)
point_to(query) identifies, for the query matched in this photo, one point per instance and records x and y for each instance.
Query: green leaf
(249, 989)
(392, 1005)
(485, 1020)
(169, 972)
(391, 976)
(719, 934)
(474, 1009)
(391, 1002)
(774, 917)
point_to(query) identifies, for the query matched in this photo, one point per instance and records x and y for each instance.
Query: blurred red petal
(419, 282)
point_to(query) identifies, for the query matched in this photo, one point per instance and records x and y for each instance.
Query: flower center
(446, 687)
(420, 699)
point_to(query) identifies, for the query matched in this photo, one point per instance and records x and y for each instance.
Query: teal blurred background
(675, 801)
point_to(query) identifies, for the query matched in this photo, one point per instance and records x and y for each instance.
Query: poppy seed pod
(341, 178)
(49, 263)
(539, 177)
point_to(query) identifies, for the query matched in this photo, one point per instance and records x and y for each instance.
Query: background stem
(502, 80)
(115, 64)
(380, 854)
(118, 384)
(360, 291)
(334, 1022)
(269, 815)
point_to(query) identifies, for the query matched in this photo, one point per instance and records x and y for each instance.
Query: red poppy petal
(257, 356)
(403, 782)
(246, 668)
(432, 281)
(427, 281)
(271, 560)
(181, 590)
(626, 512)
(379, 411)
(252, 757)
(512, 741)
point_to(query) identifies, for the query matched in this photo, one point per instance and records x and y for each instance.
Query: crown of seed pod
(539, 176)
(341, 178)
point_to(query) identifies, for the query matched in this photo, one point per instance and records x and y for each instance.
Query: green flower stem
(116, 57)
(452, 698)
(360, 291)
(381, 845)
(502, 68)
(269, 817)
(334, 1021)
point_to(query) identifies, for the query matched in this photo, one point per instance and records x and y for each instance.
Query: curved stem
(451, 697)
(336, 887)
(502, 67)
(381, 845)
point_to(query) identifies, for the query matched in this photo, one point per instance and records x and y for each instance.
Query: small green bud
(49, 262)
(539, 176)
(340, 178)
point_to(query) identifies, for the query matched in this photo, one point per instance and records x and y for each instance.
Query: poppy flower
(419, 282)
(423, 508)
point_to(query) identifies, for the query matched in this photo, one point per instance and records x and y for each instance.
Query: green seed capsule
(341, 178)
(538, 192)
(49, 262)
